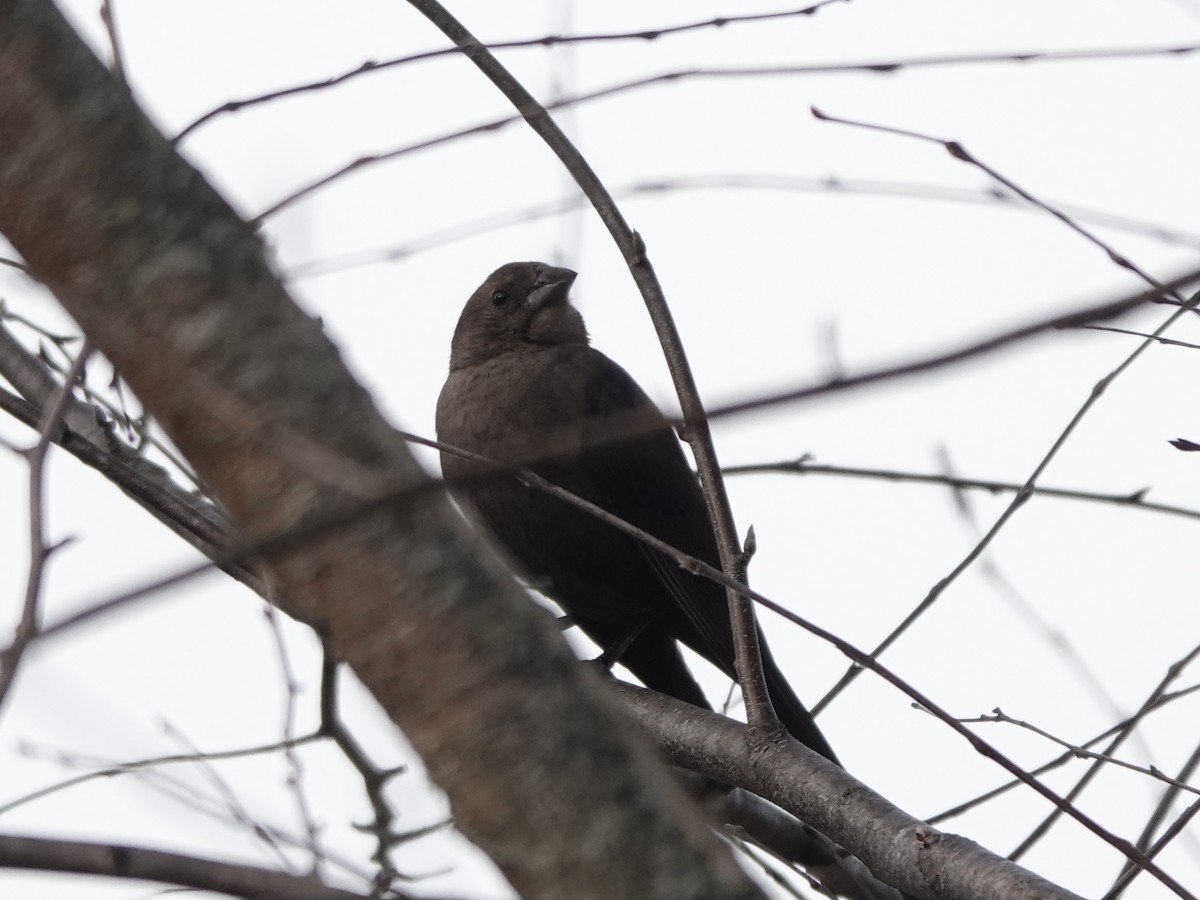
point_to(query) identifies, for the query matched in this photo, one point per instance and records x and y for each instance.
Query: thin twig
(295, 779)
(227, 803)
(872, 67)
(1175, 829)
(1057, 641)
(831, 184)
(39, 551)
(959, 152)
(1159, 701)
(374, 779)
(1166, 342)
(547, 40)
(1162, 808)
(1098, 313)
(804, 466)
(124, 768)
(1080, 752)
(1121, 736)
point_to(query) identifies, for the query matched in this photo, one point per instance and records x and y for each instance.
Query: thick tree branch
(904, 851)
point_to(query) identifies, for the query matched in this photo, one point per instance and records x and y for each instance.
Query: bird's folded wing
(646, 481)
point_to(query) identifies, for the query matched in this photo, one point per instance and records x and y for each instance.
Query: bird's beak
(551, 286)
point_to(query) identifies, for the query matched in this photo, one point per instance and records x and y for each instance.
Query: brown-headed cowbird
(521, 376)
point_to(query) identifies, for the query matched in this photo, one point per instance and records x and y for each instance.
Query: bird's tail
(793, 714)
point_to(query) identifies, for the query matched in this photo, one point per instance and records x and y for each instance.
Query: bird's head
(521, 303)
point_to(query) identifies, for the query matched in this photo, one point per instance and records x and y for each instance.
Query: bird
(526, 384)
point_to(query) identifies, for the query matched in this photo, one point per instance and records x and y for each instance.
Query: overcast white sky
(771, 286)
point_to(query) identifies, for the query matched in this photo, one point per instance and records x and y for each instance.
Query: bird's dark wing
(647, 482)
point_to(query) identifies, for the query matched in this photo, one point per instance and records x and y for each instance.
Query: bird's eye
(499, 298)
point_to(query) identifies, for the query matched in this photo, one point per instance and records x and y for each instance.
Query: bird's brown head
(519, 304)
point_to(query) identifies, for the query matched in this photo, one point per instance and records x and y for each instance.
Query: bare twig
(959, 152)
(1176, 828)
(548, 40)
(1121, 736)
(1080, 752)
(873, 67)
(805, 466)
(1099, 313)
(1146, 839)
(124, 768)
(39, 550)
(295, 780)
(1158, 339)
(62, 341)
(226, 802)
(374, 779)
(832, 184)
(1057, 640)
(1158, 700)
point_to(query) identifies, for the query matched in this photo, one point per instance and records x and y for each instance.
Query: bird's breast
(512, 409)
